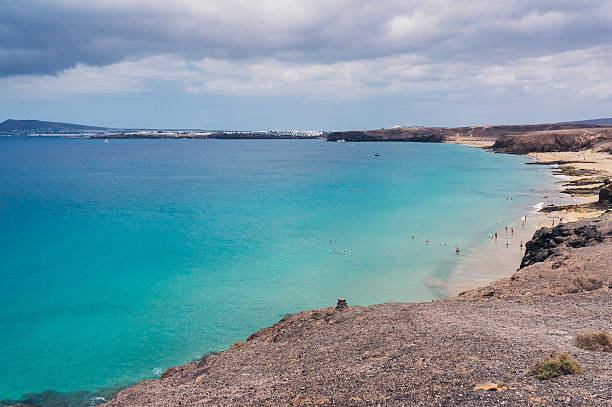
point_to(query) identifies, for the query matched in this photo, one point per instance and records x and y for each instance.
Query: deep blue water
(119, 260)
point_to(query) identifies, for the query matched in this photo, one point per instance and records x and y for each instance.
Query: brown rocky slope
(424, 354)
(516, 139)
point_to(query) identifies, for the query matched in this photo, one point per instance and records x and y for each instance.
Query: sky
(317, 64)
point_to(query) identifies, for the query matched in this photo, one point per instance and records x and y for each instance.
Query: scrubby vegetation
(594, 340)
(554, 366)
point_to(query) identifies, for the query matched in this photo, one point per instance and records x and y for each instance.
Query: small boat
(106, 140)
(377, 155)
(340, 141)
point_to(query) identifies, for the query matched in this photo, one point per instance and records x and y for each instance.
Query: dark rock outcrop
(421, 135)
(549, 242)
(605, 195)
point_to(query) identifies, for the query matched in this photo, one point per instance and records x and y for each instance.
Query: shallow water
(119, 260)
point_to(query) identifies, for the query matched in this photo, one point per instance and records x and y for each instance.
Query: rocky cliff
(441, 134)
(553, 242)
(546, 141)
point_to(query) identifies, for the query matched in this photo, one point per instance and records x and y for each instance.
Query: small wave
(538, 206)
(158, 371)
(94, 401)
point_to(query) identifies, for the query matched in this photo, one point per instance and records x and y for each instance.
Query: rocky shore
(473, 349)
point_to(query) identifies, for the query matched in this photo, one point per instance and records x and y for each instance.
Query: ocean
(120, 260)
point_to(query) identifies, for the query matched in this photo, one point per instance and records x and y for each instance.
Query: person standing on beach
(495, 235)
(507, 243)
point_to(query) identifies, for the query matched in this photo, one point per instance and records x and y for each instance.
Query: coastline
(453, 347)
(535, 220)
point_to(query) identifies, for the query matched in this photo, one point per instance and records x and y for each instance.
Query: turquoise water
(119, 260)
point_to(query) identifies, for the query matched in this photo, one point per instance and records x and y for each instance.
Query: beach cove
(281, 262)
(478, 348)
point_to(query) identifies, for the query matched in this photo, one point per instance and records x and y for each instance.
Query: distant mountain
(607, 120)
(12, 126)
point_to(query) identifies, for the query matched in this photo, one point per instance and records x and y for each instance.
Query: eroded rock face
(605, 195)
(542, 142)
(549, 242)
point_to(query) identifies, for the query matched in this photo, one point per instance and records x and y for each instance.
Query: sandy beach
(596, 162)
(495, 259)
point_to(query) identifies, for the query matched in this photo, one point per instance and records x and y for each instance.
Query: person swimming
(457, 251)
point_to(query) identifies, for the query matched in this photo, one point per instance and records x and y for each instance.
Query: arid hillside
(519, 139)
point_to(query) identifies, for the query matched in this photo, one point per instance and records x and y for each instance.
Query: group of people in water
(457, 250)
(493, 236)
(512, 230)
(331, 241)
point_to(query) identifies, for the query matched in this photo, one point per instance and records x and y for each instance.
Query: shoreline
(492, 260)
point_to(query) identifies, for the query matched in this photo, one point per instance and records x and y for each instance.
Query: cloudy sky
(318, 64)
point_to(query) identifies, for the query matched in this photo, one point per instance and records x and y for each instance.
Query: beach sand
(468, 141)
(582, 160)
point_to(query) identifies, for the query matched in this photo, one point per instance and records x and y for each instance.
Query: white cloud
(415, 28)
(535, 21)
(582, 73)
(102, 32)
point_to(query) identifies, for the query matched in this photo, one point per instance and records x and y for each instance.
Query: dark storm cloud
(46, 37)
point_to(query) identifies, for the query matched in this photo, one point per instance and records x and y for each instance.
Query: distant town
(37, 128)
(206, 134)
